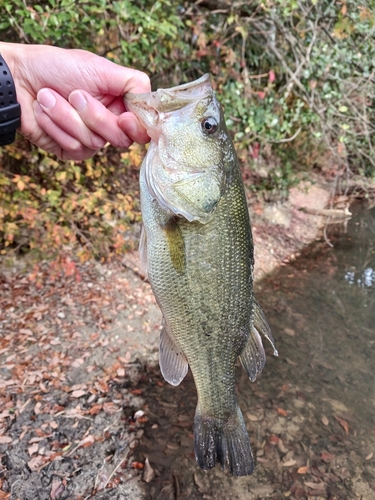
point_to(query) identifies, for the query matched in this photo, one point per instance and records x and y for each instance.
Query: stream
(311, 413)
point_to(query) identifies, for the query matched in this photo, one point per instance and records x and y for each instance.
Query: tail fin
(224, 442)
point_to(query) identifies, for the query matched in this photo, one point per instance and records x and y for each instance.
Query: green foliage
(52, 206)
(296, 79)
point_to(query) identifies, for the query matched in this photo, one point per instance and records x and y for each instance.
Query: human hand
(71, 100)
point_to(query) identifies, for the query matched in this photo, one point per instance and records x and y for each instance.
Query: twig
(176, 487)
(116, 468)
(289, 139)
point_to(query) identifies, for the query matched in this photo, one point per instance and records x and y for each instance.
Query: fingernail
(37, 108)
(78, 101)
(46, 99)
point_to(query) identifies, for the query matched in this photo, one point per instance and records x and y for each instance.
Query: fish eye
(209, 125)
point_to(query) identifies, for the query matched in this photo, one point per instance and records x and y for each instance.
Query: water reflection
(365, 280)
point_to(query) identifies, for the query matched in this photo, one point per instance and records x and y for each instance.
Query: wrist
(9, 52)
(10, 110)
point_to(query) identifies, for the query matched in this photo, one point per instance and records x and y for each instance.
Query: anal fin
(261, 324)
(253, 357)
(172, 361)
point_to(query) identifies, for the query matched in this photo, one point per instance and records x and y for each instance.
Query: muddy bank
(78, 352)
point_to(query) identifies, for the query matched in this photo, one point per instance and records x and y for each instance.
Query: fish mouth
(166, 100)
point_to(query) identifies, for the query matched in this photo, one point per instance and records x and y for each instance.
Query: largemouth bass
(197, 247)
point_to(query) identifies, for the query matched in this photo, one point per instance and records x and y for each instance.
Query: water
(311, 413)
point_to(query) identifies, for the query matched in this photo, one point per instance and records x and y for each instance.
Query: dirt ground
(78, 356)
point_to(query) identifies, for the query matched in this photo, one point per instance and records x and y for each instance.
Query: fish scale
(198, 249)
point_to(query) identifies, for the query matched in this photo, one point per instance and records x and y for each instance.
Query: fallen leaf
(289, 332)
(148, 473)
(369, 456)
(274, 440)
(302, 470)
(289, 463)
(35, 463)
(56, 489)
(137, 465)
(5, 439)
(344, 424)
(282, 412)
(281, 447)
(325, 420)
(78, 394)
(327, 457)
(87, 441)
(33, 449)
(315, 486)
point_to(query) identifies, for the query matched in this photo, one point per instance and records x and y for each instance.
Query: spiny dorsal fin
(172, 361)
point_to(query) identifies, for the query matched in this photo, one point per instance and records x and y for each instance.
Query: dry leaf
(35, 463)
(302, 470)
(289, 463)
(78, 393)
(137, 465)
(289, 332)
(327, 457)
(33, 449)
(282, 412)
(369, 456)
(87, 441)
(325, 420)
(344, 424)
(56, 489)
(281, 447)
(148, 473)
(315, 486)
(5, 439)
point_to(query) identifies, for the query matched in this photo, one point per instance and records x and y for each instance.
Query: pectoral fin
(173, 362)
(175, 244)
(143, 250)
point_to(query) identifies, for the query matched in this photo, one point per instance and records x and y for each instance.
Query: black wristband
(10, 110)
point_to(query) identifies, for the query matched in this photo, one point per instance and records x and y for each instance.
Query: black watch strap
(10, 110)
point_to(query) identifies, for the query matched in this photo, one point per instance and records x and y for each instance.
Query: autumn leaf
(327, 457)
(344, 424)
(282, 412)
(302, 470)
